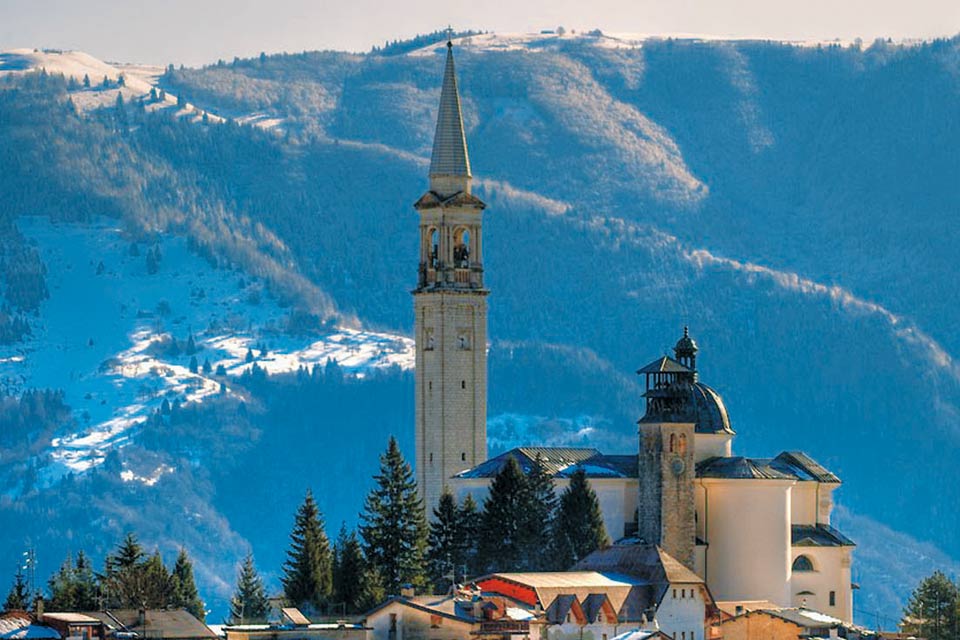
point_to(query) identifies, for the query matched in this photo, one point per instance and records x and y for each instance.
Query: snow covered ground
(614, 40)
(138, 79)
(106, 332)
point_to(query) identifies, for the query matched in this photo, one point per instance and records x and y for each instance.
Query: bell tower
(666, 515)
(450, 305)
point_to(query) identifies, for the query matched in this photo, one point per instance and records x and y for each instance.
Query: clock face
(677, 466)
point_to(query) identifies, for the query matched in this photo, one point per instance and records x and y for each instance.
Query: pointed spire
(450, 158)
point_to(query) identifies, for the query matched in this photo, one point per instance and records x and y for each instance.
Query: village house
(293, 625)
(789, 624)
(623, 588)
(134, 624)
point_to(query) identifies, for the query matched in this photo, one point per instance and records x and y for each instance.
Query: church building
(753, 529)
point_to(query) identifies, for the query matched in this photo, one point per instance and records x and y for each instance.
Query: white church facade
(754, 529)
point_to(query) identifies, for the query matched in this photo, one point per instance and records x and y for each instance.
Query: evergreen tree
(470, 520)
(307, 572)
(249, 603)
(393, 525)
(86, 81)
(85, 584)
(19, 597)
(349, 571)
(579, 528)
(539, 509)
(502, 521)
(157, 589)
(194, 365)
(446, 555)
(122, 579)
(932, 611)
(62, 586)
(185, 593)
(373, 591)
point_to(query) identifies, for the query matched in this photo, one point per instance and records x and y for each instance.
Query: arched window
(682, 446)
(434, 248)
(803, 563)
(673, 442)
(461, 248)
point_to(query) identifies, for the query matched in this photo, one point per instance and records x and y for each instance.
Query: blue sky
(196, 32)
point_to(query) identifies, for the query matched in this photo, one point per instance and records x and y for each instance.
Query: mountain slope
(777, 198)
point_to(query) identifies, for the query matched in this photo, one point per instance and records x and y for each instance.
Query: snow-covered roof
(15, 627)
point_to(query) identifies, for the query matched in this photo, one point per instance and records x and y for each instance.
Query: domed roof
(685, 345)
(711, 413)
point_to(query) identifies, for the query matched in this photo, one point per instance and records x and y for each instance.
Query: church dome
(710, 411)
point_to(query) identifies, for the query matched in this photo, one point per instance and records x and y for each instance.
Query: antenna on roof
(449, 36)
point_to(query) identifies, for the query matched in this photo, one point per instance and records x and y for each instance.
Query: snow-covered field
(106, 332)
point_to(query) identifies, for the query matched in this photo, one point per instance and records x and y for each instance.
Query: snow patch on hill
(108, 331)
(138, 79)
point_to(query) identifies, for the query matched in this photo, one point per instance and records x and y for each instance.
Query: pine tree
(85, 582)
(393, 525)
(194, 366)
(19, 597)
(538, 514)
(62, 586)
(446, 555)
(502, 520)
(86, 81)
(122, 580)
(157, 583)
(373, 591)
(307, 579)
(185, 593)
(249, 603)
(470, 520)
(349, 571)
(933, 608)
(579, 528)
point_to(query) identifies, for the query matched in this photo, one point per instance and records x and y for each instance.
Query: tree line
(522, 526)
(130, 579)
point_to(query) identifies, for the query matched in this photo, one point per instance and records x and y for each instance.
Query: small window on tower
(463, 384)
(431, 457)
(428, 340)
(463, 341)
(463, 456)
(833, 598)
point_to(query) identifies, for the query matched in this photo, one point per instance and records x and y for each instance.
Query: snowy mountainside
(107, 335)
(775, 197)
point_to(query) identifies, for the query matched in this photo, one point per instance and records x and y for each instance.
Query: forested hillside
(795, 205)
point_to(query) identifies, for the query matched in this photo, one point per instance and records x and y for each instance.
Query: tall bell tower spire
(450, 305)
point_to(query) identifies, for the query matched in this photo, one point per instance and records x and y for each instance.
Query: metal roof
(711, 412)
(739, 468)
(664, 364)
(173, 624)
(819, 535)
(803, 467)
(449, 156)
(561, 462)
